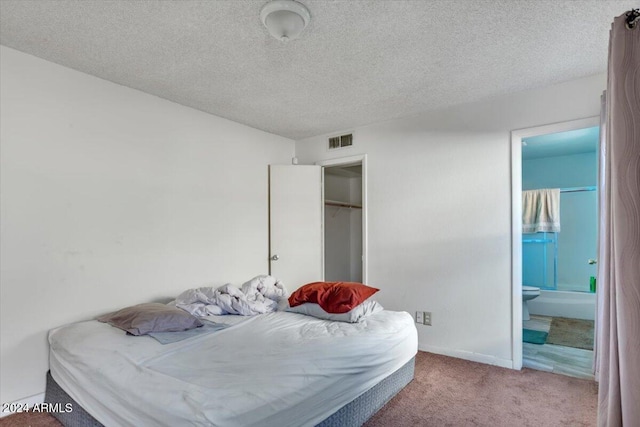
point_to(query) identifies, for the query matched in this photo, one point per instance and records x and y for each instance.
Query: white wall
(336, 188)
(113, 197)
(439, 211)
(576, 170)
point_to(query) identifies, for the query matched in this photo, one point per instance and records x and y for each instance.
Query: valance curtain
(617, 352)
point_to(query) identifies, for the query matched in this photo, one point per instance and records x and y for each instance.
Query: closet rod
(342, 205)
(576, 189)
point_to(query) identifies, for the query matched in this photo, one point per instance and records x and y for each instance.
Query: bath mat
(534, 337)
(575, 333)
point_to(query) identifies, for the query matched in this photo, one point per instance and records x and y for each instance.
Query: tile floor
(574, 362)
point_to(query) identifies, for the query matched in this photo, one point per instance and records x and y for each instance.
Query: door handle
(592, 261)
(275, 258)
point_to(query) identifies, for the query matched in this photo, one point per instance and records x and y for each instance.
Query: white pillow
(357, 313)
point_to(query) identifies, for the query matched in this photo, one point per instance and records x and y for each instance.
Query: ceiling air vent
(340, 141)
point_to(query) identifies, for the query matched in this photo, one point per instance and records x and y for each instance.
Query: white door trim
(344, 161)
(516, 221)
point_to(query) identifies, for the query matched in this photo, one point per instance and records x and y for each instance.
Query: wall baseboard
(467, 355)
(30, 401)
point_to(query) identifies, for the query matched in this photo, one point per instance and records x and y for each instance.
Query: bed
(275, 369)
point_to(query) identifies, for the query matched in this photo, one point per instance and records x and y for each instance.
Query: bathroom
(559, 268)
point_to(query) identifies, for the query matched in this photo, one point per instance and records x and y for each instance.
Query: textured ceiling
(358, 62)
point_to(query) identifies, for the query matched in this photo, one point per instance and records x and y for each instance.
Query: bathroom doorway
(556, 266)
(564, 260)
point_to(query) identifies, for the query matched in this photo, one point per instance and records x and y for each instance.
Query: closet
(343, 223)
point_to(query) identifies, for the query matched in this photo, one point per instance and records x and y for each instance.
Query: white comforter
(257, 296)
(277, 369)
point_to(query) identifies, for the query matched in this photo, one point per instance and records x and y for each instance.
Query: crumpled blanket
(257, 296)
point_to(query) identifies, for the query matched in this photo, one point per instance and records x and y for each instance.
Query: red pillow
(333, 297)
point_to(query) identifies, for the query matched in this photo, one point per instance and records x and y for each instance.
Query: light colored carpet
(575, 333)
(455, 392)
(30, 419)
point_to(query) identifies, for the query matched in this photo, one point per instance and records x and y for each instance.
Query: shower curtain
(617, 352)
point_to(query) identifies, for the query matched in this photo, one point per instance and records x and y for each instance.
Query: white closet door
(295, 224)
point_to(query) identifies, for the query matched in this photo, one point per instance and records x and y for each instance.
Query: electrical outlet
(419, 317)
(426, 318)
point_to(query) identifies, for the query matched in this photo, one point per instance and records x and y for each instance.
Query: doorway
(345, 219)
(562, 157)
(343, 223)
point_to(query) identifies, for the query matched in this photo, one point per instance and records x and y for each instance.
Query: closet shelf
(341, 204)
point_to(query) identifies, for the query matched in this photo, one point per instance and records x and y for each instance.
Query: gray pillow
(151, 317)
(355, 315)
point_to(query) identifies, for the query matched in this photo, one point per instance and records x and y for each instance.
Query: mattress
(276, 369)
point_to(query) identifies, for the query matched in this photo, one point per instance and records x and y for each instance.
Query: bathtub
(574, 305)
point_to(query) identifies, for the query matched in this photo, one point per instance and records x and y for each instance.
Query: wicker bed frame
(353, 414)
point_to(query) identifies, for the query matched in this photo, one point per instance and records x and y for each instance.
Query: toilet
(528, 292)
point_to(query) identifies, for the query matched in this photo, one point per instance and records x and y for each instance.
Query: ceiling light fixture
(285, 19)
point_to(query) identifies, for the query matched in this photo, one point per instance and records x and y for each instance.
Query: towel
(541, 210)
